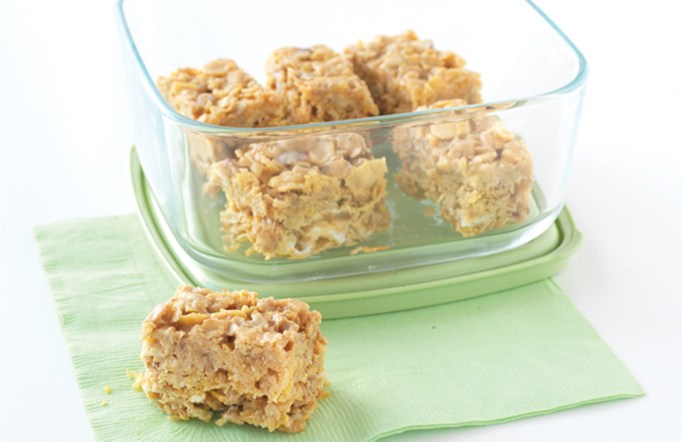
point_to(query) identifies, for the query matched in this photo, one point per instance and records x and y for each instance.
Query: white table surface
(67, 135)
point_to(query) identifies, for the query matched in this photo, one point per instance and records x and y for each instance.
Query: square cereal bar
(478, 172)
(403, 73)
(221, 94)
(300, 196)
(232, 356)
(318, 84)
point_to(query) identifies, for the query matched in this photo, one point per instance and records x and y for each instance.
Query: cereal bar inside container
(318, 84)
(221, 94)
(404, 72)
(300, 196)
(478, 172)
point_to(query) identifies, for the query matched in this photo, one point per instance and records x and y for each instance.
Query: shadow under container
(533, 82)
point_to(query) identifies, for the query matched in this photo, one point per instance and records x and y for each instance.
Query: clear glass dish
(533, 81)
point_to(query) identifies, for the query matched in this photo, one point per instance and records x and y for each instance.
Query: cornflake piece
(297, 197)
(428, 212)
(478, 172)
(235, 357)
(367, 249)
(403, 73)
(318, 84)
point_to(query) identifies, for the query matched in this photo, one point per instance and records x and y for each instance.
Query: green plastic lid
(380, 292)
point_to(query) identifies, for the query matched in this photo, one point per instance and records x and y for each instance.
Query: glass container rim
(575, 83)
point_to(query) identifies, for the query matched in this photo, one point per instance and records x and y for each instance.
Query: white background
(65, 145)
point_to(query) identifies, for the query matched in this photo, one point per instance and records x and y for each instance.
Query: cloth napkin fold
(520, 353)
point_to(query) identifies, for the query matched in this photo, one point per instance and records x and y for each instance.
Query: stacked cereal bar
(235, 357)
(222, 94)
(403, 73)
(478, 172)
(317, 84)
(300, 196)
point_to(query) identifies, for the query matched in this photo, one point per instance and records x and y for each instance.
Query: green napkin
(487, 360)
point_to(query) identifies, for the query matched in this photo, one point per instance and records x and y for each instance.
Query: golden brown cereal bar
(300, 196)
(235, 357)
(222, 94)
(318, 84)
(478, 172)
(403, 73)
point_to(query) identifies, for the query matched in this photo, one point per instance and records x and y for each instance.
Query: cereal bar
(235, 357)
(403, 73)
(318, 84)
(300, 196)
(478, 172)
(221, 94)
